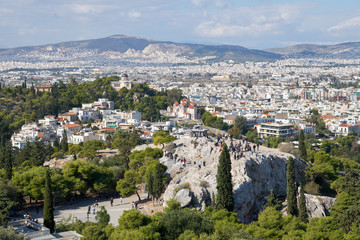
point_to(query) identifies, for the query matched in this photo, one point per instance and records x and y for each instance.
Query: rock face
(184, 196)
(254, 175)
(318, 206)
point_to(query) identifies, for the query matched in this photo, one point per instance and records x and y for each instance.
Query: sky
(258, 24)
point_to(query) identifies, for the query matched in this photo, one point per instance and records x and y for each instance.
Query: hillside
(122, 44)
(343, 50)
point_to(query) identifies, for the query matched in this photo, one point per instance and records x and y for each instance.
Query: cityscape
(250, 130)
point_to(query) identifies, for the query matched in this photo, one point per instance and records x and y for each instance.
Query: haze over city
(256, 24)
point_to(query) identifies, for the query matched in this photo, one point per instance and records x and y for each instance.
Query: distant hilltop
(128, 44)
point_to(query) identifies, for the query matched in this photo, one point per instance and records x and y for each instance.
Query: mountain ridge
(120, 43)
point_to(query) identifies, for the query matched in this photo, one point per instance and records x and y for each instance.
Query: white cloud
(26, 30)
(217, 3)
(6, 10)
(199, 3)
(89, 8)
(252, 21)
(134, 14)
(350, 23)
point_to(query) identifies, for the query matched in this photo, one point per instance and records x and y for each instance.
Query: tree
(302, 147)
(9, 233)
(102, 217)
(235, 132)
(155, 180)
(291, 187)
(64, 142)
(161, 137)
(173, 95)
(56, 143)
(241, 124)
(176, 222)
(8, 160)
(8, 197)
(127, 186)
(132, 219)
(272, 201)
(224, 198)
(48, 204)
(302, 205)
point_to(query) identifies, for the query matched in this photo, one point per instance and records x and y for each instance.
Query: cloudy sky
(250, 23)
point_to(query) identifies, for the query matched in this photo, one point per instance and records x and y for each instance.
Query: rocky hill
(254, 175)
(113, 45)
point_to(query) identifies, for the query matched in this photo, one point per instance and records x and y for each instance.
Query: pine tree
(224, 198)
(302, 205)
(64, 142)
(272, 201)
(302, 147)
(291, 188)
(48, 210)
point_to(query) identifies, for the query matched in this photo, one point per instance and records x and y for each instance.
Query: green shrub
(183, 186)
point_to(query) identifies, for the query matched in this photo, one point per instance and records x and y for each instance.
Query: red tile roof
(72, 125)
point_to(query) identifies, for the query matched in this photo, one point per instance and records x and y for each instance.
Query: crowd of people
(237, 148)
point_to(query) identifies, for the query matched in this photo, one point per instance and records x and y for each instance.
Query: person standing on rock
(258, 146)
(111, 201)
(254, 147)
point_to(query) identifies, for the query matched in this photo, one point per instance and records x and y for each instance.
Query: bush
(312, 188)
(172, 205)
(204, 184)
(288, 148)
(183, 186)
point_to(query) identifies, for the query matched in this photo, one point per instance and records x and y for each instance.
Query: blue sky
(256, 24)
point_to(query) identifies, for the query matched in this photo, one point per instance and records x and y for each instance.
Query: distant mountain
(122, 44)
(343, 50)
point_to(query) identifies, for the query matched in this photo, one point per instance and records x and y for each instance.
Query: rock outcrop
(318, 206)
(254, 175)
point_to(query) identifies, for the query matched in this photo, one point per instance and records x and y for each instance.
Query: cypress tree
(291, 188)
(213, 200)
(158, 181)
(56, 143)
(224, 198)
(64, 142)
(48, 210)
(302, 147)
(150, 185)
(8, 160)
(302, 205)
